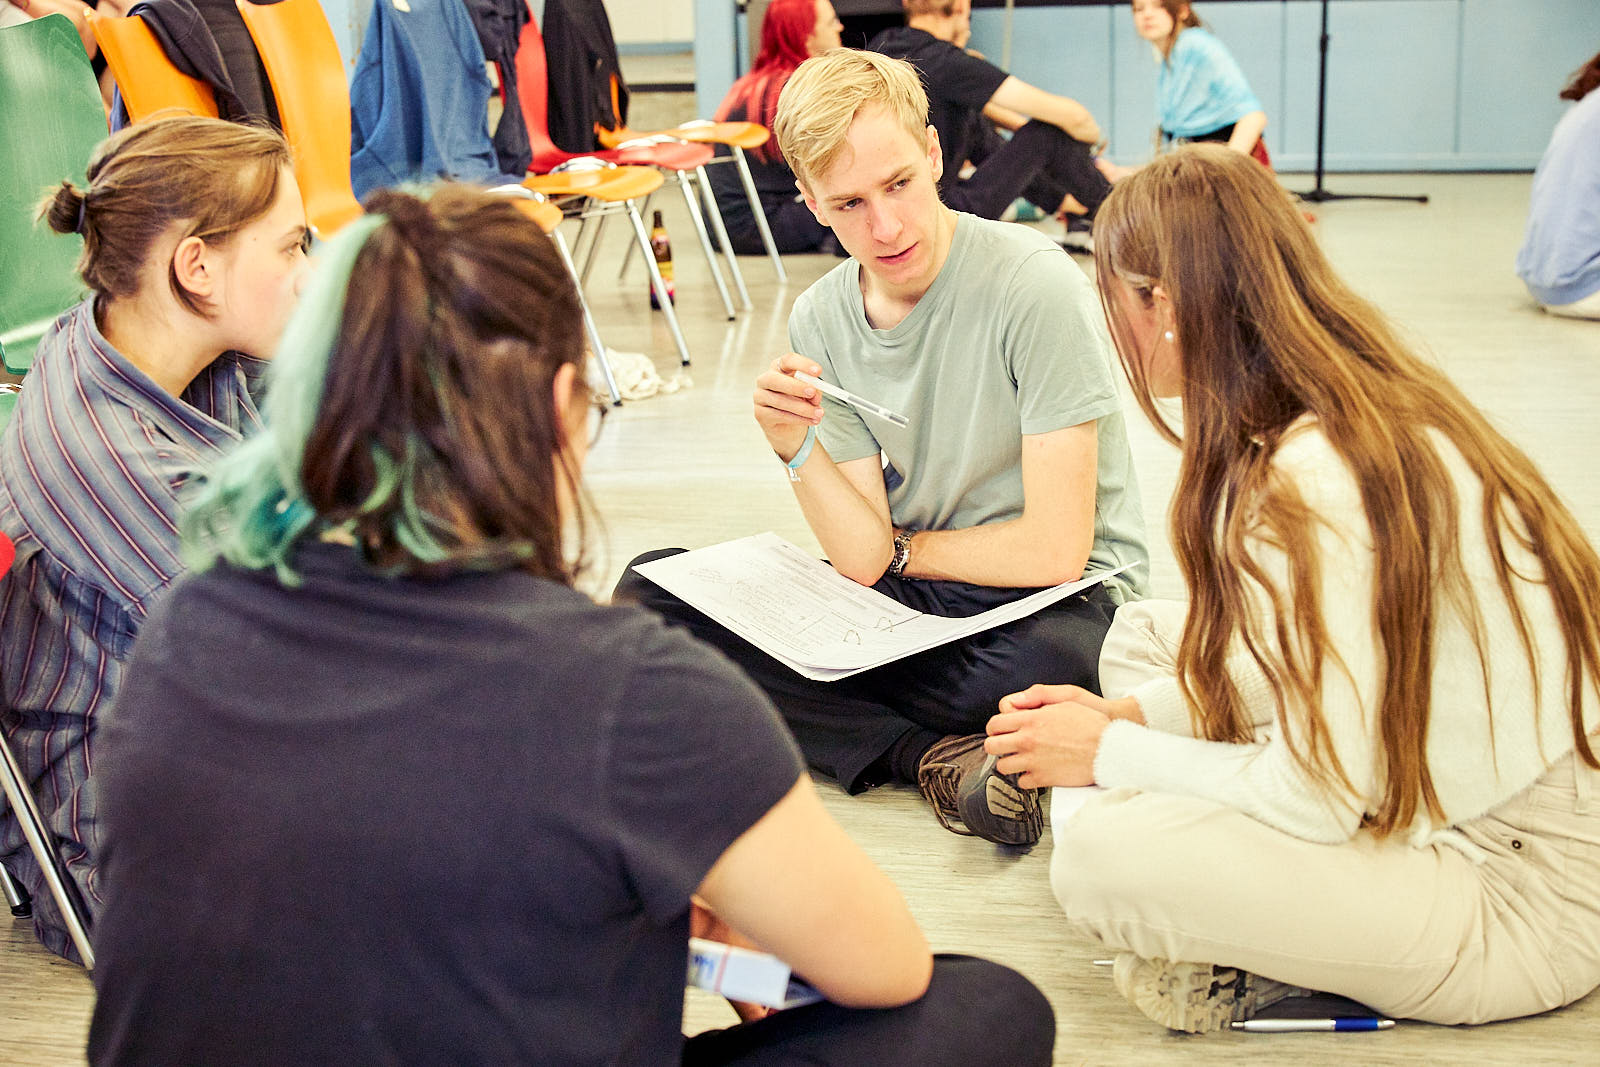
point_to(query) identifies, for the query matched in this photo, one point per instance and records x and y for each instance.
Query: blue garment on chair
(419, 100)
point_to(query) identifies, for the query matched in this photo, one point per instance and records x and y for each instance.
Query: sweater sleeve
(1163, 707)
(1264, 780)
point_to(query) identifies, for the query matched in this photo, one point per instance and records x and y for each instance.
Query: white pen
(859, 403)
(1292, 1026)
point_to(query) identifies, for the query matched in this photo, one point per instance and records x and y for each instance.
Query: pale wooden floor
(690, 469)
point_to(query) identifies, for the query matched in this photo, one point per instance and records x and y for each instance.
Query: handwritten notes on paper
(808, 616)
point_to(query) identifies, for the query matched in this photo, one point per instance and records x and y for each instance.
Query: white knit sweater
(1477, 762)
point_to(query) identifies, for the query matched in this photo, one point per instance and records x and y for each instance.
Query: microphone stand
(1319, 195)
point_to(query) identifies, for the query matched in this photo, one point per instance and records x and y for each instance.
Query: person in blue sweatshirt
(1560, 257)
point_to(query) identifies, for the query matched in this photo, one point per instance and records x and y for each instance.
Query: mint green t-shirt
(1009, 340)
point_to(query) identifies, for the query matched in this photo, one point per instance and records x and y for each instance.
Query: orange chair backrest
(148, 80)
(307, 75)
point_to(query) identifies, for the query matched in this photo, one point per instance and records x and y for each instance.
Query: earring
(1168, 336)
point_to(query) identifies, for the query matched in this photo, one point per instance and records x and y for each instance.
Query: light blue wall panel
(1515, 57)
(1412, 84)
(1133, 93)
(1063, 50)
(715, 48)
(1392, 84)
(348, 19)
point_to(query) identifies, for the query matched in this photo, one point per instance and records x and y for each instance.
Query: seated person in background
(1049, 159)
(1363, 759)
(194, 248)
(1013, 474)
(1201, 94)
(499, 794)
(791, 32)
(16, 12)
(1560, 257)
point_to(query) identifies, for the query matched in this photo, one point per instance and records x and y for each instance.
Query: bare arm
(1063, 111)
(845, 504)
(1048, 544)
(1247, 131)
(1002, 117)
(798, 887)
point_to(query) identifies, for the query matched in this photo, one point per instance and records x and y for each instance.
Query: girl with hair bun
(467, 829)
(194, 241)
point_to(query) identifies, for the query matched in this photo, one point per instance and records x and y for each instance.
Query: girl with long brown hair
(1363, 760)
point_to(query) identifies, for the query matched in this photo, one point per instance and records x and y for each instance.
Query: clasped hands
(1049, 734)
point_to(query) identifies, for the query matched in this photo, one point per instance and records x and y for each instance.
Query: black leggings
(974, 1012)
(1041, 163)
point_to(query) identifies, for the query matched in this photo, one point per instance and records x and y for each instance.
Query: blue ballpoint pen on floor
(1291, 1026)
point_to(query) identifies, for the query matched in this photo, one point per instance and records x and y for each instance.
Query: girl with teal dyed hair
(421, 405)
(431, 802)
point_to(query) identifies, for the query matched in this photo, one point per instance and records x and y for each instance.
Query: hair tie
(83, 204)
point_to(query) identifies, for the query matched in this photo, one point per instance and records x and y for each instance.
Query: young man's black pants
(847, 727)
(1040, 162)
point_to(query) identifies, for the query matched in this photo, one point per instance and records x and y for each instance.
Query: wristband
(800, 457)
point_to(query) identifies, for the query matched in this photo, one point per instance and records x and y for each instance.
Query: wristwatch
(902, 554)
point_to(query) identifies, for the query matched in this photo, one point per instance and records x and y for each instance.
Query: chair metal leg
(714, 212)
(656, 283)
(62, 888)
(594, 247)
(750, 193)
(583, 229)
(627, 254)
(17, 898)
(589, 326)
(691, 200)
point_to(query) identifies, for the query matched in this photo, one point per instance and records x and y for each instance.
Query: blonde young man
(1013, 474)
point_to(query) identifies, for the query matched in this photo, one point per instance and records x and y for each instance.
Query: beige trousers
(1422, 933)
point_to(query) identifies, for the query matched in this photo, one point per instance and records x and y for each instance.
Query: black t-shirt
(369, 820)
(958, 85)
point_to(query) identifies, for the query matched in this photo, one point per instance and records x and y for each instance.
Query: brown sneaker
(960, 781)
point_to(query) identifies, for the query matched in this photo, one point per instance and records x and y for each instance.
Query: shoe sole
(998, 809)
(1195, 998)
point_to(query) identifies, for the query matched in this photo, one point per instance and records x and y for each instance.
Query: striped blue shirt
(91, 466)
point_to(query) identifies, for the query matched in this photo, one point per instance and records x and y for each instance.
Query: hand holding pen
(785, 408)
(788, 403)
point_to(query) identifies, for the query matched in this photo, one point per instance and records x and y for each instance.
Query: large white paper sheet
(803, 613)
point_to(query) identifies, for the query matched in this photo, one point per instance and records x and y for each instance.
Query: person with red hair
(792, 31)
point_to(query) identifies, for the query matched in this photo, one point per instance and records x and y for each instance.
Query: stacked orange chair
(145, 76)
(681, 163)
(307, 75)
